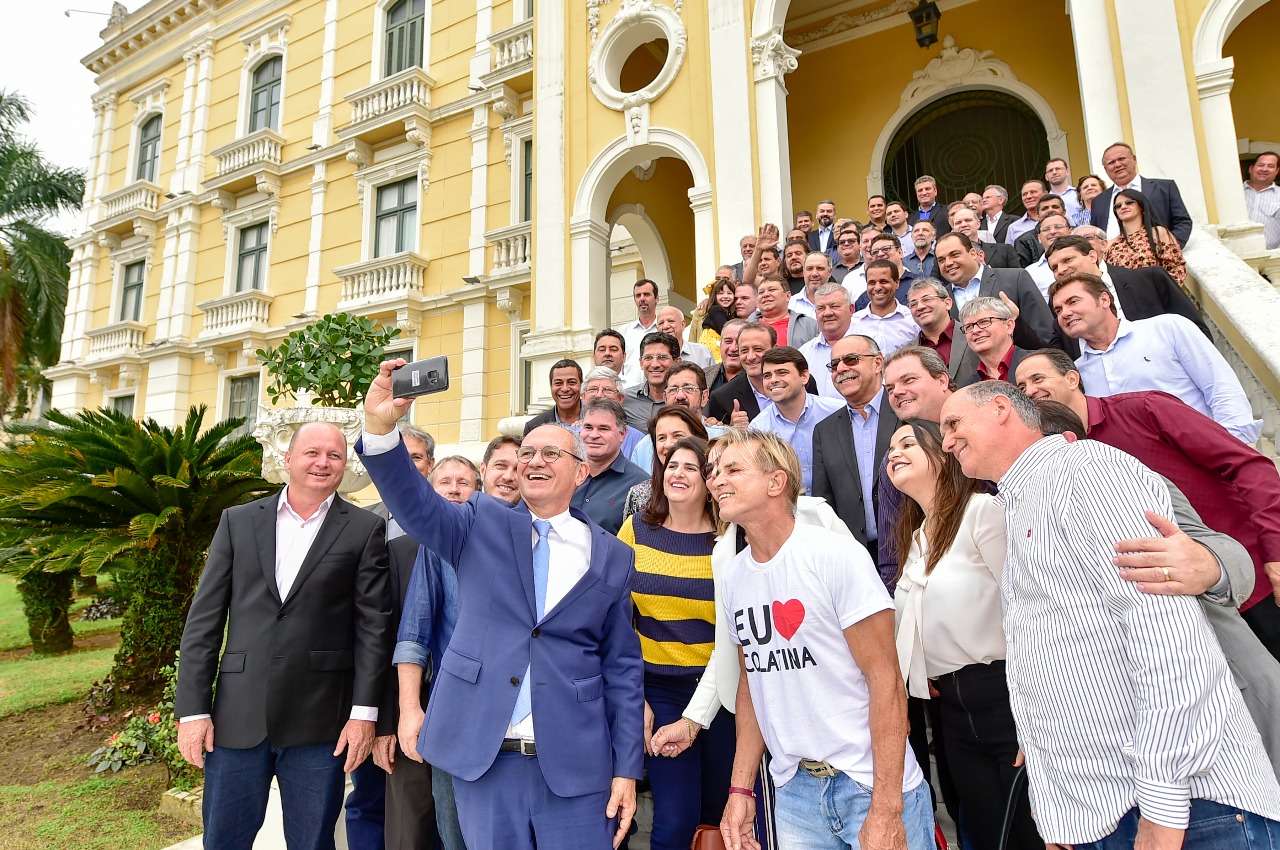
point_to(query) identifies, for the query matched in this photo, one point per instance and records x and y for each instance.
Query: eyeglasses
(591, 392)
(1125, 202)
(846, 241)
(687, 389)
(656, 358)
(850, 360)
(923, 299)
(979, 324)
(550, 454)
(882, 252)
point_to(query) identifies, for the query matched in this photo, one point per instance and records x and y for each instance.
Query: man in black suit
(994, 219)
(929, 210)
(823, 237)
(995, 254)
(849, 445)
(299, 581)
(741, 399)
(1139, 293)
(1121, 165)
(960, 267)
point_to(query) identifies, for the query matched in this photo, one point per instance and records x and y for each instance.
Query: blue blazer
(587, 673)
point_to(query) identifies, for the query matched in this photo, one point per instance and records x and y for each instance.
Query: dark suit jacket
(546, 417)
(999, 255)
(1144, 293)
(1028, 247)
(1002, 225)
(815, 244)
(964, 360)
(290, 670)
(937, 217)
(583, 654)
(835, 465)
(1166, 207)
(402, 554)
(720, 404)
(1019, 354)
(1035, 326)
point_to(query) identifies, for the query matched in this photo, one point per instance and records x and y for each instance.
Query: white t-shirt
(789, 617)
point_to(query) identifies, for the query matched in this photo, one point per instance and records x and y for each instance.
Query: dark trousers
(411, 810)
(237, 784)
(1213, 826)
(918, 738)
(366, 807)
(693, 787)
(1264, 619)
(510, 807)
(982, 743)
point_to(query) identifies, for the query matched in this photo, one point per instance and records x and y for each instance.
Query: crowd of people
(853, 543)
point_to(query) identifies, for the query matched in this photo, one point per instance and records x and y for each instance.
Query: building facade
(489, 175)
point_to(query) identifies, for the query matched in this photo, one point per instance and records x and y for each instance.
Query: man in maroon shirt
(1234, 488)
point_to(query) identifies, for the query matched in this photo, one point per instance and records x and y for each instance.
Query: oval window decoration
(637, 56)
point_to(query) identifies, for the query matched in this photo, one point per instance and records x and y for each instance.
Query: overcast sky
(40, 52)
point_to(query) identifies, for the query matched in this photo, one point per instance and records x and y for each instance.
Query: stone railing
(511, 248)
(383, 279)
(139, 196)
(512, 45)
(265, 147)
(409, 88)
(112, 340)
(1243, 311)
(236, 312)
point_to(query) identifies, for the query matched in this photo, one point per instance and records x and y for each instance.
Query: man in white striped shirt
(1133, 730)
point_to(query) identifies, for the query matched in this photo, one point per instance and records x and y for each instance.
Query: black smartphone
(421, 377)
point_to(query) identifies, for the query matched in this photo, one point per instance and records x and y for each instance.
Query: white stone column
(475, 304)
(96, 154)
(203, 53)
(704, 233)
(182, 300)
(773, 60)
(1214, 81)
(481, 60)
(322, 127)
(178, 181)
(315, 244)
(84, 264)
(550, 278)
(107, 101)
(1159, 105)
(735, 193)
(476, 244)
(1096, 69)
(589, 243)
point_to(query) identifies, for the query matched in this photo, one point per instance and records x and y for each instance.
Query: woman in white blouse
(950, 641)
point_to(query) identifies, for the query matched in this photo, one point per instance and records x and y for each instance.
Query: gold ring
(1165, 570)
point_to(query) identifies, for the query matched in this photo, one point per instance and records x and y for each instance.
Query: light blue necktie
(541, 566)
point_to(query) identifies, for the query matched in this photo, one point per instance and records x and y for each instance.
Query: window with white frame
(264, 96)
(526, 197)
(402, 45)
(131, 291)
(149, 149)
(123, 404)
(396, 218)
(251, 259)
(242, 401)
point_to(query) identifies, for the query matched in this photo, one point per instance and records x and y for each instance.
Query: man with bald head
(292, 617)
(539, 709)
(671, 321)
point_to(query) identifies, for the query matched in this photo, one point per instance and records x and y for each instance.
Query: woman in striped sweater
(675, 616)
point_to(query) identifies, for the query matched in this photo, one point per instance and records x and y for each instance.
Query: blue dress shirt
(430, 612)
(799, 433)
(864, 444)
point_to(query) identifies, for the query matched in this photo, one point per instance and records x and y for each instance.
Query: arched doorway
(966, 141)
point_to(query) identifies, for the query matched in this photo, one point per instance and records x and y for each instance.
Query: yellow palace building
(492, 175)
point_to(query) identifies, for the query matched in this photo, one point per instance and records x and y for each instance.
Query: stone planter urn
(276, 427)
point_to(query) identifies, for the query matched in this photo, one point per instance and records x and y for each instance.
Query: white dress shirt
(890, 332)
(634, 333)
(962, 295)
(697, 354)
(818, 352)
(1042, 275)
(1170, 354)
(1113, 223)
(801, 304)
(1264, 208)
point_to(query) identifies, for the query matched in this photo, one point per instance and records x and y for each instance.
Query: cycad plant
(101, 491)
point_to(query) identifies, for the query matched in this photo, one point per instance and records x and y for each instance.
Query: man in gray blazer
(960, 266)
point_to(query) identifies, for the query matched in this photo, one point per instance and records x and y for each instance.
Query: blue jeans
(238, 782)
(826, 813)
(1213, 826)
(446, 811)
(366, 807)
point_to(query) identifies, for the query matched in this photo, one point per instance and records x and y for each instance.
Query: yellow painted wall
(1252, 45)
(665, 198)
(833, 128)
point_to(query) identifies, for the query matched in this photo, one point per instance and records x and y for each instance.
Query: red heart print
(787, 617)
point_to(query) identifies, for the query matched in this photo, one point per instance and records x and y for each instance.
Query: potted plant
(326, 368)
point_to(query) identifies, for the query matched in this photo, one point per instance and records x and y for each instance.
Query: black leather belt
(519, 745)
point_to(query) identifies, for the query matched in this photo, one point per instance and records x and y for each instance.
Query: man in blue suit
(537, 710)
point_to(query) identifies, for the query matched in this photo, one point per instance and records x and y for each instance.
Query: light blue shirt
(1170, 354)
(801, 304)
(642, 455)
(890, 332)
(818, 352)
(864, 446)
(799, 433)
(1019, 227)
(962, 295)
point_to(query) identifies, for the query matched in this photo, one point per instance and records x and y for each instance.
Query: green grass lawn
(98, 813)
(27, 683)
(13, 625)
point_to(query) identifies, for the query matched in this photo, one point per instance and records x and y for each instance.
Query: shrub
(150, 737)
(335, 359)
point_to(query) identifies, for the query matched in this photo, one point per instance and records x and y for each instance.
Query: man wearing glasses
(686, 387)
(931, 307)
(1052, 226)
(538, 708)
(658, 351)
(886, 247)
(987, 325)
(846, 270)
(604, 493)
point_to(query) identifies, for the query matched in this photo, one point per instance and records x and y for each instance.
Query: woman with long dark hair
(1143, 241)
(670, 424)
(949, 627)
(706, 326)
(675, 616)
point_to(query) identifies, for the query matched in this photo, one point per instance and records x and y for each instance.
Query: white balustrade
(383, 279)
(120, 338)
(511, 248)
(263, 147)
(236, 312)
(512, 45)
(141, 196)
(411, 87)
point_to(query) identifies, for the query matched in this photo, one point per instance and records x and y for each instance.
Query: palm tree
(33, 260)
(101, 491)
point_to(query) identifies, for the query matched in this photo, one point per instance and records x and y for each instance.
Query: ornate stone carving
(844, 22)
(216, 358)
(360, 156)
(773, 57)
(604, 66)
(129, 375)
(645, 170)
(506, 108)
(593, 17)
(103, 100)
(276, 427)
(955, 67)
(417, 134)
(118, 15)
(510, 300)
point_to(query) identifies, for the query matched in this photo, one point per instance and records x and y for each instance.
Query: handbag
(707, 838)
